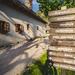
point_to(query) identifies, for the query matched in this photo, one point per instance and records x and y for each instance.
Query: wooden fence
(62, 38)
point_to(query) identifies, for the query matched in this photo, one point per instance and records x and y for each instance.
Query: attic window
(27, 26)
(37, 28)
(4, 27)
(19, 28)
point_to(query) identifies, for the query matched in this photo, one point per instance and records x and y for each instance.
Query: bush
(40, 67)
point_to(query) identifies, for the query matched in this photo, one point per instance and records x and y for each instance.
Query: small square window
(19, 28)
(47, 31)
(37, 28)
(4, 27)
(27, 26)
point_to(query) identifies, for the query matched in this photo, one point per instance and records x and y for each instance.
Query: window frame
(37, 28)
(4, 27)
(28, 26)
(19, 28)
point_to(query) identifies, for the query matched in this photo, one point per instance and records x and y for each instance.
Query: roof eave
(22, 8)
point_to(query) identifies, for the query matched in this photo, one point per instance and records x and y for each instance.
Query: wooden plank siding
(63, 43)
(62, 49)
(66, 24)
(63, 60)
(64, 66)
(63, 30)
(62, 12)
(62, 18)
(62, 38)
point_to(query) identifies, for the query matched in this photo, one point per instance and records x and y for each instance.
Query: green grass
(43, 58)
(39, 67)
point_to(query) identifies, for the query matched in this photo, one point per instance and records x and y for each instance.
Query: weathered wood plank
(63, 24)
(62, 18)
(62, 55)
(62, 36)
(63, 30)
(62, 12)
(62, 49)
(63, 43)
(63, 60)
(64, 66)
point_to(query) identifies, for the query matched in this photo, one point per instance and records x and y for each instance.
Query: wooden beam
(62, 18)
(63, 43)
(62, 55)
(63, 60)
(63, 30)
(62, 49)
(62, 12)
(64, 66)
(63, 25)
(62, 37)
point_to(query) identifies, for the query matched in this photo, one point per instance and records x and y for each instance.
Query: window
(4, 27)
(47, 31)
(27, 26)
(37, 28)
(37, 45)
(19, 28)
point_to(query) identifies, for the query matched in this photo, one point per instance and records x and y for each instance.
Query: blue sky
(35, 6)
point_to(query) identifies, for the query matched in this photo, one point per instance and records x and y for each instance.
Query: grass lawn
(39, 67)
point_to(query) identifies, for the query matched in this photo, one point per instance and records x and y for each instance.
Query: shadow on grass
(40, 69)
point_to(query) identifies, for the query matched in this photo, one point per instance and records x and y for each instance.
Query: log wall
(62, 38)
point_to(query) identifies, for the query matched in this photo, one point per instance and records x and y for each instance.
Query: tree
(48, 5)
